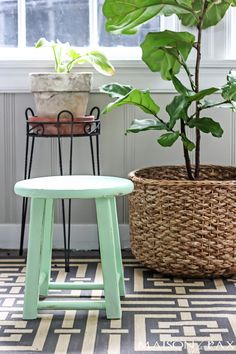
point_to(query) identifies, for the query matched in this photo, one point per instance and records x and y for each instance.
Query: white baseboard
(83, 236)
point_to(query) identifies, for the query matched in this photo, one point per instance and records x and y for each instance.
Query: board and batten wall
(119, 154)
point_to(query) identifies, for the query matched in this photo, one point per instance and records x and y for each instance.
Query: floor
(160, 314)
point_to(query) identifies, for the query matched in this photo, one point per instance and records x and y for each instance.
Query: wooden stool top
(68, 187)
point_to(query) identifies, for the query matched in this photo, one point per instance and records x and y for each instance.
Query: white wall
(119, 153)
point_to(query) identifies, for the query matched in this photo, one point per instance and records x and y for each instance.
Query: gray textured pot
(54, 92)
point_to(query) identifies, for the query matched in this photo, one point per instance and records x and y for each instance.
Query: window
(230, 30)
(8, 23)
(108, 40)
(81, 23)
(66, 20)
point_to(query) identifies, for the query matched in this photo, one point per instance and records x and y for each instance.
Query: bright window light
(81, 23)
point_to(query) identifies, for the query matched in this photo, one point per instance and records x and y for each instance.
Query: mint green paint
(72, 305)
(117, 247)
(108, 257)
(69, 187)
(33, 259)
(45, 268)
(42, 191)
(76, 286)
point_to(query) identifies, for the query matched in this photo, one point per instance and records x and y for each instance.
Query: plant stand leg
(98, 154)
(92, 154)
(63, 206)
(27, 174)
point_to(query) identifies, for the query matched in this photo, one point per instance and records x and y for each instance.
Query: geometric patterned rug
(159, 314)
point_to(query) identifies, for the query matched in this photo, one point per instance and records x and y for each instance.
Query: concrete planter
(55, 92)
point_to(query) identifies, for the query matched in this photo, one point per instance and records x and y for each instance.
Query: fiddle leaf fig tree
(167, 52)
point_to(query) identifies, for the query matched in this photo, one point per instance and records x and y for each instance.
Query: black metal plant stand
(74, 128)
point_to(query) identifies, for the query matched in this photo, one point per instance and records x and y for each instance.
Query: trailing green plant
(167, 52)
(66, 57)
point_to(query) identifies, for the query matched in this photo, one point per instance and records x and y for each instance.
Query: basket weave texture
(183, 227)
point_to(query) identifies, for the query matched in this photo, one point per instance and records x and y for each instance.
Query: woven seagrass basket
(183, 227)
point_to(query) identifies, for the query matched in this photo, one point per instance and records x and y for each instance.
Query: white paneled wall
(119, 155)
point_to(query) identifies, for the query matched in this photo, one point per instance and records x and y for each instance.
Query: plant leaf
(229, 90)
(177, 109)
(140, 125)
(231, 77)
(161, 51)
(98, 60)
(116, 90)
(73, 54)
(210, 103)
(180, 87)
(42, 42)
(59, 52)
(192, 96)
(168, 139)
(142, 99)
(203, 93)
(187, 143)
(214, 14)
(126, 16)
(207, 125)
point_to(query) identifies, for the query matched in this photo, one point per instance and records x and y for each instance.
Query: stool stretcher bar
(72, 305)
(76, 286)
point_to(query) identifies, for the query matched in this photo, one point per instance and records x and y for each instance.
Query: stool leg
(117, 246)
(46, 257)
(108, 258)
(33, 259)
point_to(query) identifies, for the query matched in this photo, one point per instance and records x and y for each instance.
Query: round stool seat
(73, 187)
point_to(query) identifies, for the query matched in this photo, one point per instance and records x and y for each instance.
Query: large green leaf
(140, 125)
(229, 90)
(192, 96)
(116, 90)
(177, 109)
(207, 125)
(142, 99)
(180, 87)
(98, 60)
(203, 93)
(161, 51)
(125, 16)
(187, 143)
(214, 14)
(168, 139)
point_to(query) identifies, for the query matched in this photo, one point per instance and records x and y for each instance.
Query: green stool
(43, 191)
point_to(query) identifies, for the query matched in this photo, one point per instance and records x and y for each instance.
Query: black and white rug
(159, 314)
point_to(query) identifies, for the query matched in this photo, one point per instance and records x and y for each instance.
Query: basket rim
(228, 182)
